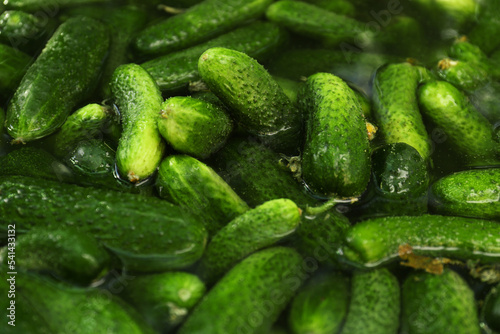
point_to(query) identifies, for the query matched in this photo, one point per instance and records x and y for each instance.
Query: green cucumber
(84, 124)
(438, 303)
(463, 50)
(60, 78)
(139, 100)
(444, 14)
(191, 184)
(341, 7)
(59, 309)
(376, 241)
(472, 193)
(35, 162)
(12, 68)
(396, 107)
(255, 100)
(65, 253)
(375, 304)
(250, 297)
(311, 21)
(336, 154)
(174, 71)
(255, 229)
(256, 174)
(320, 306)
(491, 309)
(485, 32)
(197, 24)
(164, 300)
(193, 126)
(46, 5)
(462, 74)
(147, 234)
(468, 132)
(23, 30)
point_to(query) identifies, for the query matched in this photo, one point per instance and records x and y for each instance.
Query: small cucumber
(139, 100)
(197, 24)
(375, 303)
(491, 309)
(256, 174)
(467, 130)
(164, 300)
(253, 230)
(84, 124)
(147, 234)
(485, 32)
(250, 297)
(444, 14)
(320, 306)
(193, 126)
(396, 107)
(472, 193)
(463, 50)
(462, 74)
(59, 79)
(311, 21)
(23, 30)
(255, 99)
(377, 241)
(174, 71)
(437, 304)
(46, 5)
(12, 68)
(65, 253)
(336, 154)
(191, 184)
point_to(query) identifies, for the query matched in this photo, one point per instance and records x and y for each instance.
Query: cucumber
(491, 309)
(139, 100)
(463, 50)
(468, 132)
(60, 78)
(314, 22)
(196, 187)
(376, 241)
(485, 32)
(84, 124)
(254, 99)
(436, 303)
(66, 253)
(461, 74)
(198, 24)
(336, 154)
(174, 71)
(46, 5)
(164, 300)
(472, 193)
(341, 7)
(193, 126)
(146, 233)
(58, 309)
(375, 304)
(395, 107)
(250, 297)
(23, 30)
(35, 162)
(444, 14)
(255, 229)
(12, 68)
(289, 87)
(256, 174)
(320, 306)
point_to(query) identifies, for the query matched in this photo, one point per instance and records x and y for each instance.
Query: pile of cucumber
(250, 166)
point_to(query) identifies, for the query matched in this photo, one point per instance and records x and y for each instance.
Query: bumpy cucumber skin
(22, 30)
(255, 100)
(174, 71)
(315, 22)
(139, 100)
(58, 308)
(65, 253)
(466, 51)
(463, 75)
(336, 154)
(472, 193)
(253, 230)
(485, 33)
(83, 124)
(396, 107)
(375, 303)
(467, 130)
(191, 184)
(147, 234)
(12, 68)
(376, 241)
(164, 299)
(256, 175)
(437, 304)
(193, 126)
(199, 23)
(249, 298)
(320, 306)
(34, 5)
